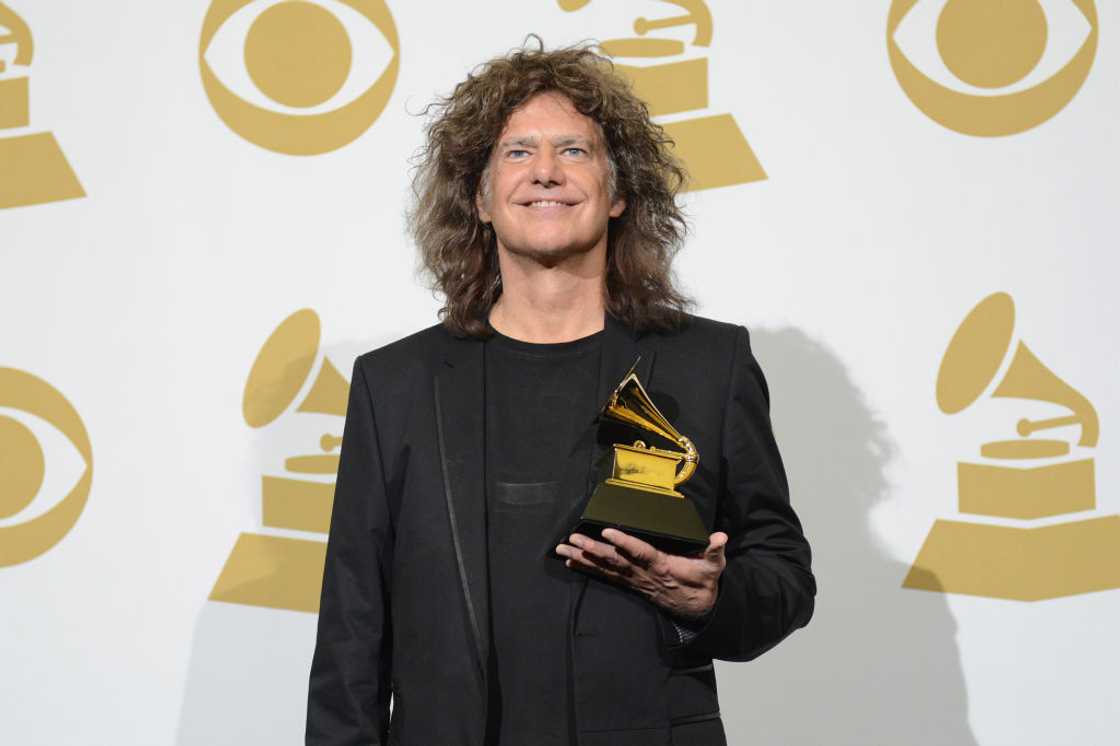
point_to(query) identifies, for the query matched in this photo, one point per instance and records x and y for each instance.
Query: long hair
(459, 252)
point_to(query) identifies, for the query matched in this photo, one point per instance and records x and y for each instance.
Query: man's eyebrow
(531, 141)
(564, 140)
(528, 141)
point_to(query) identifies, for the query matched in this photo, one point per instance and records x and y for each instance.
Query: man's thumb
(717, 542)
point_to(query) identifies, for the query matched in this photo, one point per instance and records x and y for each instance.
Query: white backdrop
(145, 303)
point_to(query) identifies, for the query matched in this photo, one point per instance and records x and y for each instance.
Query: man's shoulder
(700, 331)
(425, 348)
(405, 356)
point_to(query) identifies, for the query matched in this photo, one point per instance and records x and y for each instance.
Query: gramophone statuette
(640, 495)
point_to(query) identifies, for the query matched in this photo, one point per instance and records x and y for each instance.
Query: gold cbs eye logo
(302, 81)
(1008, 65)
(23, 468)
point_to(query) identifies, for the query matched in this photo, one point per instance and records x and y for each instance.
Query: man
(545, 212)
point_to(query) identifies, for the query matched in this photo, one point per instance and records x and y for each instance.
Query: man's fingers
(584, 566)
(577, 560)
(636, 550)
(601, 554)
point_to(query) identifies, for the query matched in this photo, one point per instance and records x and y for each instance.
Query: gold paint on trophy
(992, 44)
(712, 146)
(22, 467)
(33, 169)
(270, 570)
(640, 495)
(1023, 478)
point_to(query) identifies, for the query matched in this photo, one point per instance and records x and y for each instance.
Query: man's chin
(549, 255)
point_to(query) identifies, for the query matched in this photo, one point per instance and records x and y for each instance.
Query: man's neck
(543, 304)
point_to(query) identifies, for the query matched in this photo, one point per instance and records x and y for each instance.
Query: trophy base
(669, 523)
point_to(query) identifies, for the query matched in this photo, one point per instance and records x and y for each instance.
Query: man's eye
(516, 153)
(575, 151)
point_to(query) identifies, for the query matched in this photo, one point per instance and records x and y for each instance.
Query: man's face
(548, 194)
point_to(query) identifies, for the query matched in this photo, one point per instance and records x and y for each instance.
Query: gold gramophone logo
(33, 169)
(272, 568)
(672, 78)
(1003, 58)
(26, 533)
(296, 76)
(1038, 482)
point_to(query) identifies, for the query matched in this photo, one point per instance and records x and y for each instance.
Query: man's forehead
(552, 115)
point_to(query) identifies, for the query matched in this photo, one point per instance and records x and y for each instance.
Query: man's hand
(685, 586)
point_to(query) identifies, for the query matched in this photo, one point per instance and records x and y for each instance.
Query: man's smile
(547, 203)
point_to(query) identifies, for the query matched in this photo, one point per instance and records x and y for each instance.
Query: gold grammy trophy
(712, 146)
(1026, 479)
(640, 496)
(33, 169)
(271, 569)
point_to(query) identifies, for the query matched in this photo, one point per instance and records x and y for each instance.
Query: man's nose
(547, 169)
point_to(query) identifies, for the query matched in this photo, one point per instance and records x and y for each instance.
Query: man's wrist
(688, 628)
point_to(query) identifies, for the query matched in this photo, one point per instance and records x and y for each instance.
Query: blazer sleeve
(349, 688)
(767, 588)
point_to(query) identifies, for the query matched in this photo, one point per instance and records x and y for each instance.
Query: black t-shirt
(539, 399)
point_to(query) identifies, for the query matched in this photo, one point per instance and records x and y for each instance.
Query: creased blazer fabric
(404, 611)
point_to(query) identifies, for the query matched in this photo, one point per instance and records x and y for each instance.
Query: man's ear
(617, 207)
(480, 199)
(481, 207)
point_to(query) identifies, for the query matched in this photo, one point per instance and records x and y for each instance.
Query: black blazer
(404, 610)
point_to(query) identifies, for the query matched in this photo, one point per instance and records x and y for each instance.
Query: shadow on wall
(249, 665)
(247, 681)
(878, 664)
(247, 678)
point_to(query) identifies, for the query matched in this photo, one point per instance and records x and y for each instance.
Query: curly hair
(458, 250)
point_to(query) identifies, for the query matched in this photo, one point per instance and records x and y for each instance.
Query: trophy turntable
(640, 495)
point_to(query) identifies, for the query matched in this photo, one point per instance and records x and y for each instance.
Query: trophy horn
(630, 404)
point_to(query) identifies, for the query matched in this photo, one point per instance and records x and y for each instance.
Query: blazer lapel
(621, 349)
(460, 428)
